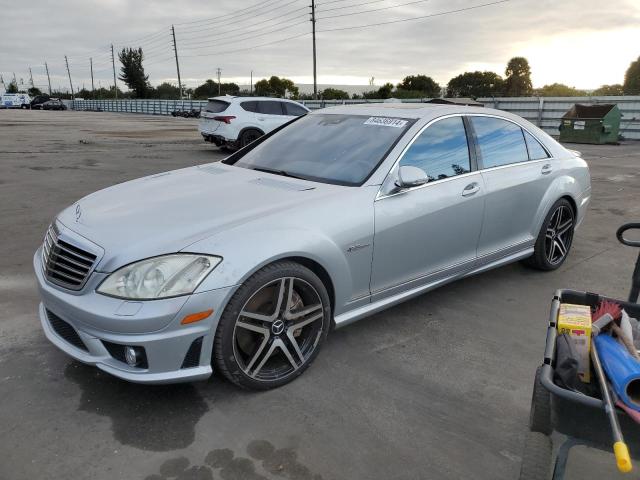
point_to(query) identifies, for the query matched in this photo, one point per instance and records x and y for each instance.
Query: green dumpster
(597, 124)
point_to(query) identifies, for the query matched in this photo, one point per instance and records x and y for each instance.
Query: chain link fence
(544, 112)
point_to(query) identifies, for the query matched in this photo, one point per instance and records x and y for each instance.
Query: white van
(15, 100)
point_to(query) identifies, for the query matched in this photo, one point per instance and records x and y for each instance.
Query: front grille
(66, 331)
(65, 264)
(192, 358)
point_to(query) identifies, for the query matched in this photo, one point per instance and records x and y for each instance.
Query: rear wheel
(248, 136)
(273, 327)
(555, 238)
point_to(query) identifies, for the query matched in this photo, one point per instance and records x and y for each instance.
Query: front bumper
(174, 352)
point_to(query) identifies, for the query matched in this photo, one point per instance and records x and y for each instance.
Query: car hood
(170, 211)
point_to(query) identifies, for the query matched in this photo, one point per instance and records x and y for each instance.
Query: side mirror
(411, 177)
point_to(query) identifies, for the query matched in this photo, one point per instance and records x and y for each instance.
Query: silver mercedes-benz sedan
(245, 265)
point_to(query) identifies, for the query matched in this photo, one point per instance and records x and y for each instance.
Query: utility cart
(578, 418)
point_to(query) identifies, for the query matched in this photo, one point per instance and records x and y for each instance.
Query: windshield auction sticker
(386, 122)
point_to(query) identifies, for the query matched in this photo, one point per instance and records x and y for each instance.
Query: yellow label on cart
(575, 320)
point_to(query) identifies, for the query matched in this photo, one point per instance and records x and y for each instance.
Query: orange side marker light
(196, 317)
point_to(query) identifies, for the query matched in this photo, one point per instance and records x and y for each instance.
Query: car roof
(229, 98)
(426, 111)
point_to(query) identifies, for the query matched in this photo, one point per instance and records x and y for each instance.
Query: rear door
(516, 178)
(270, 115)
(430, 232)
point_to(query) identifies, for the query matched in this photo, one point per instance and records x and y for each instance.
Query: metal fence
(542, 111)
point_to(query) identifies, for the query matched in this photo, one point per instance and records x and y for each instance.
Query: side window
(251, 106)
(536, 152)
(501, 142)
(270, 107)
(441, 150)
(293, 109)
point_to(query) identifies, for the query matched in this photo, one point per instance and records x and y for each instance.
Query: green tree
(334, 94)
(276, 87)
(559, 90)
(166, 91)
(34, 91)
(210, 89)
(132, 72)
(632, 79)
(518, 81)
(615, 89)
(475, 84)
(12, 87)
(421, 84)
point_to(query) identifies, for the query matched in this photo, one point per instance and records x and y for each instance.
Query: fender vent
(65, 331)
(192, 358)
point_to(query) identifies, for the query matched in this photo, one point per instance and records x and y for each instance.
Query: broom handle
(623, 460)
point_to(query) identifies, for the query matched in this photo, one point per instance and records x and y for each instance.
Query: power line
(225, 32)
(249, 48)
(474, 7)
(373, 10)
(268, 32)
(242, 20)
(226, 16)
(350, 6)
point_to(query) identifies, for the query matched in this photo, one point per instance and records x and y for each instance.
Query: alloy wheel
(559, 235)
(278, 329)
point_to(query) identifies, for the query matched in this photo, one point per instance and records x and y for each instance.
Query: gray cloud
(34, 32)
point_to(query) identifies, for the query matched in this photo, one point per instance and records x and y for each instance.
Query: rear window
(328, 148)
(293, 109)
(251, 106)
(270, 107)
(216, 106)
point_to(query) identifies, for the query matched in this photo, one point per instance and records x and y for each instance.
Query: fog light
(131, 356)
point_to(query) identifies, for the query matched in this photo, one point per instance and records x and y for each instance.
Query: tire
(273, 327)
(536, 457)
(248, 136)
(540, 413)
(555, 238)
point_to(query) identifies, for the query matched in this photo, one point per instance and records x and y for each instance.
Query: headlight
(159, 277)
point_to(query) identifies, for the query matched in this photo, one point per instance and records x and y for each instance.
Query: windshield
(338, 149)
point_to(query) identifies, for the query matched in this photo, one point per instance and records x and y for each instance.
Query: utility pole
(218, 73)
(46, 67)
(31, 77)
(93, 90)
(175, 50)
(69, 73)
(113, 64)
(251, 84)
(313, 28)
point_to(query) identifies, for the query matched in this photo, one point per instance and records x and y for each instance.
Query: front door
(431, 231)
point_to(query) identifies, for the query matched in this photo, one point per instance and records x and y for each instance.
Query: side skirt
(388, 302)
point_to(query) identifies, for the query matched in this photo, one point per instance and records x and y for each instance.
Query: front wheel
(273, 327)
(555, 238)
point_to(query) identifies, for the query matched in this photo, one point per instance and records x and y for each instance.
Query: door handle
(471, 189)
(546, 169)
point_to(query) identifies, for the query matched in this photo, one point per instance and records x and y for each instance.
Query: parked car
(15, 100)
(244, 266)
(54, 104)
(235, 122)
(38, 101)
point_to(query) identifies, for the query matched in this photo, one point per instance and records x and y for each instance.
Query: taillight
(224, 118)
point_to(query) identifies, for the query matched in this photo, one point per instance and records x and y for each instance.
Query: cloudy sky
(582, 43)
